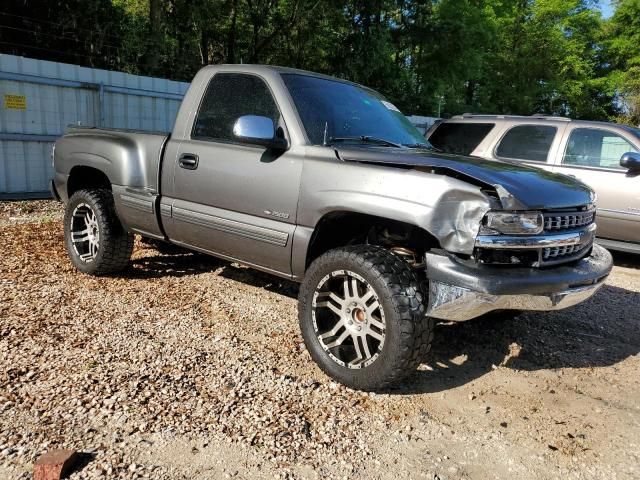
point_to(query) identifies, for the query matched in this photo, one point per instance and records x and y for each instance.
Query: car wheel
(95, 239)
(362, 317)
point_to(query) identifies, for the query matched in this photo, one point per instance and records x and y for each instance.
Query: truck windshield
(349, 112)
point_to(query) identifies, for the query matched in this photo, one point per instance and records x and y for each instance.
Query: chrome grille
(568, 236)
(567, 220)
(557, 253)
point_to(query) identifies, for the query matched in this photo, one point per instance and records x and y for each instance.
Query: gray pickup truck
(325, 182)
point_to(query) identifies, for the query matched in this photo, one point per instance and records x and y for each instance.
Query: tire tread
(117, 243)
(416, 330)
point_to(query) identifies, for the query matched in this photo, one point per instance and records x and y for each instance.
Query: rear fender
(131, 163)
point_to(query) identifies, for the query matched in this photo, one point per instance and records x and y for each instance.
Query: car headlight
(512, 223)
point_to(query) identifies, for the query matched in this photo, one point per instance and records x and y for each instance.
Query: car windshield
(349, 113)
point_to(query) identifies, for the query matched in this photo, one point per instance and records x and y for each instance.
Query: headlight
(512, 223)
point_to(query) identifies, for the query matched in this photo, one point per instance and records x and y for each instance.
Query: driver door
(232, 199)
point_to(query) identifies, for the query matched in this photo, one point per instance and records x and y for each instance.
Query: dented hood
(519, 187)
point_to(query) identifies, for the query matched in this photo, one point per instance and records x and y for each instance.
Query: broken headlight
(512, 223)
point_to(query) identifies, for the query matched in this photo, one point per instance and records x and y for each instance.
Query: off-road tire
(115, 243)
(408, 332)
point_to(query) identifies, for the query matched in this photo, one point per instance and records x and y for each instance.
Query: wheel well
(86, 177)
(338, 229)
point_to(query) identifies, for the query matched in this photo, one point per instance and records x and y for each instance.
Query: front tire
(95, 239)
(362, 317)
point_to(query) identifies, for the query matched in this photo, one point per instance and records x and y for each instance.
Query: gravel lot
(187, 367)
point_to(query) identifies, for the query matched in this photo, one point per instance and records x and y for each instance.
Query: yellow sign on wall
(15, 102)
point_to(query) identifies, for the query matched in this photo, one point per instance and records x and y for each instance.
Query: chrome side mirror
(258, 130)
(631, 161)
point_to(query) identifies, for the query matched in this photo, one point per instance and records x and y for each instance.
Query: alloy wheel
(348, 319)
(85, 233)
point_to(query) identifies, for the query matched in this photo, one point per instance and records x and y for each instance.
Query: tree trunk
(231, 37)
(204, 48)
(471, 86)
(155, 29)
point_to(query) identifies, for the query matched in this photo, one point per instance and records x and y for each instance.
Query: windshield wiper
(365, 139)
(426, 146)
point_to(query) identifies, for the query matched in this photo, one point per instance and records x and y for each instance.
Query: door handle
(188, 161)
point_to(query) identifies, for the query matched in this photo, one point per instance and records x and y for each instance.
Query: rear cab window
(527, 142)
(459, 138)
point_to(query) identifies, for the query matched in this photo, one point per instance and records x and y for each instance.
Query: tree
(427, 56)
(623, 52)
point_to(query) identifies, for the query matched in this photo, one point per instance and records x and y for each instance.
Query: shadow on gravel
(82, 460)
(599, 333)
(182, 264)
(627, 260)
(177, 265)
(260, 280)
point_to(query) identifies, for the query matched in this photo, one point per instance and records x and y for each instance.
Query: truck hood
(518, 186)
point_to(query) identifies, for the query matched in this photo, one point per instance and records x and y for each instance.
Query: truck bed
(131, 161)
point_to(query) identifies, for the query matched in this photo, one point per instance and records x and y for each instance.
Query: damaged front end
(522, 260)
(512, 237)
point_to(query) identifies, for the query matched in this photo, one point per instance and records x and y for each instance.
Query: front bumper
(461, 291)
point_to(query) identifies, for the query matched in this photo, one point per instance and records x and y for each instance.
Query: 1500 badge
(273, 213)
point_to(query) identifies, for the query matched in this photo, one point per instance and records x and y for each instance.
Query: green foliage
(555, 57)
(622, 44)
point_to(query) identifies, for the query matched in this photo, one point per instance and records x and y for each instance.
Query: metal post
(101, 105)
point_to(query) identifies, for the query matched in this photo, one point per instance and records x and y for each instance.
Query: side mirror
(631, 161)
(258, 130)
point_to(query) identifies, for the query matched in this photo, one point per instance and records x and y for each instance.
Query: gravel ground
(187, 367)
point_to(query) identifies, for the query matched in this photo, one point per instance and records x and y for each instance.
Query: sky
(606, 7)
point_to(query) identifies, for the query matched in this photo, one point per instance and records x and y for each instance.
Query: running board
(618, 245)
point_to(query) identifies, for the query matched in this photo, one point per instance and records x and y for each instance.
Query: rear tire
(362, 317)
(95, 239)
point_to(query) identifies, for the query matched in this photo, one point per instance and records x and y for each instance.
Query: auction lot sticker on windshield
(390, 105)
(15, 102)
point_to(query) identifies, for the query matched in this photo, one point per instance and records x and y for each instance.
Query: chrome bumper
(448, 302)
(459, 292)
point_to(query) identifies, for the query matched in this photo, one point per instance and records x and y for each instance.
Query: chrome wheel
(85, 233)
(348, 319)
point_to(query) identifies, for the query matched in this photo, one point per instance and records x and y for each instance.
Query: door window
(591, 147)
(459, 138)
(229, 96)
(527, 142)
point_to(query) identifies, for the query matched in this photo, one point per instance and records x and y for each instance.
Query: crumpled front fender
(448, 208)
